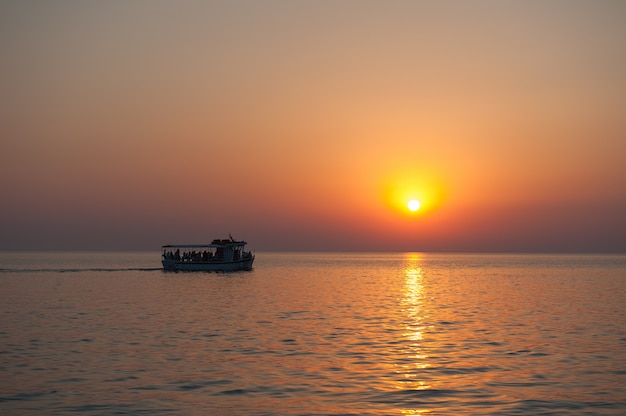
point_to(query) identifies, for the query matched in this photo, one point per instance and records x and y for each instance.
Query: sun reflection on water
(414, 356)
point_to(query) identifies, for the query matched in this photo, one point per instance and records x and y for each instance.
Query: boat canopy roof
(214, 243)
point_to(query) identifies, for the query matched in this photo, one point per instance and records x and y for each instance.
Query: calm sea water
(313, 334)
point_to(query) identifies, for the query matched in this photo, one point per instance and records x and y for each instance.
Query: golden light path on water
(413, 305)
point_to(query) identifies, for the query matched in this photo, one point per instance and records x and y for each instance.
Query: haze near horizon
(312, 125)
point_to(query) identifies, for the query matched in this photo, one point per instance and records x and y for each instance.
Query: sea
(110, 333)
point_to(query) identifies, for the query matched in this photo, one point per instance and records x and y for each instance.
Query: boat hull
(199, 266)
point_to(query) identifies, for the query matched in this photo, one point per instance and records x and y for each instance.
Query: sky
(309, 125)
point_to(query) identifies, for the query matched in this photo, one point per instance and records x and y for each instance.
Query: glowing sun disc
(414, 205)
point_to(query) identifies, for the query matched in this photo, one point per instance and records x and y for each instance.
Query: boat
(221, 255)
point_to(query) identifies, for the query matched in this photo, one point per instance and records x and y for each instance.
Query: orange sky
(300, 125)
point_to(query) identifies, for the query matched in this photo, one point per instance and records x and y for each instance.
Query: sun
(414, 205)
(413, 192)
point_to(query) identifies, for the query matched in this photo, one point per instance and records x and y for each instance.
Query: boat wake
(80, 270)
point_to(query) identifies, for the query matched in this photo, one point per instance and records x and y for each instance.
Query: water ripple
(316, 335)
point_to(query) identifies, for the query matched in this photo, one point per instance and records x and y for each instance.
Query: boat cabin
(220, 254)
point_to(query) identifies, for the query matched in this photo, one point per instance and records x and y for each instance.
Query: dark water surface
(313, 334)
